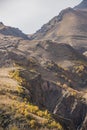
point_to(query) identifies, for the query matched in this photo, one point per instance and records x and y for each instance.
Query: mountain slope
(52, 51)
(82, 5)
(45, 72)
(9, 31)
(68, 27)
(43, 81)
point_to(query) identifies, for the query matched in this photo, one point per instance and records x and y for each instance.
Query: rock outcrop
(67, 106)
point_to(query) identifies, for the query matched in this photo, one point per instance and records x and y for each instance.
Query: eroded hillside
(43, 80)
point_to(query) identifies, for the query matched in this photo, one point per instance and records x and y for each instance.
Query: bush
(33, 123)
(14, 128)
(54, 124)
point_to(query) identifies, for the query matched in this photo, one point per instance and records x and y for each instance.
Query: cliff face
(67, 105)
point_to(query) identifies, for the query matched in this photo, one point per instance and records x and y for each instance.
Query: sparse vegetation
(14, 128)
(32, 114)
(37, 116)
(79, 68)
(16, 75)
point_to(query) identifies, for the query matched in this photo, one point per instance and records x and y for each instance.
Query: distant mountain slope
(70, 26)
(10, 31)
(82, 5)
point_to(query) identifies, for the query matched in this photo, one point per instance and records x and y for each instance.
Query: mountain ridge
(10, 31)
(73, 33)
